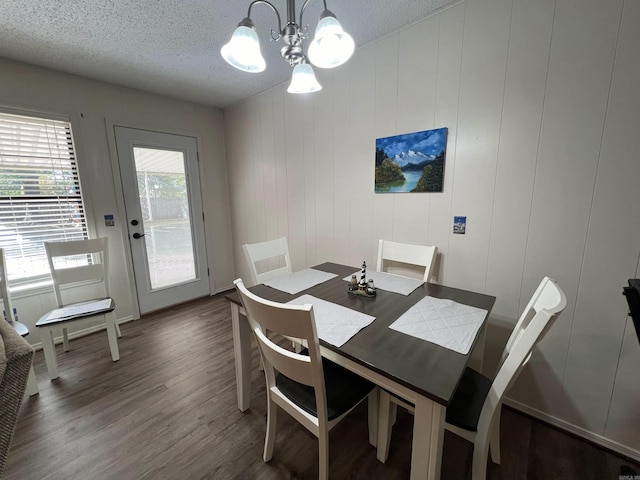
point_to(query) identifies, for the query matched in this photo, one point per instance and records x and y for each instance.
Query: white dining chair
(7, 303)
(85, 264)
(267, 260)
(408, 254)
(314, 391)
(474, 410)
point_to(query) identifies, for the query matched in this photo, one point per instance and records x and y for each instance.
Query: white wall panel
(234, 155)
(417, 73)
(296, 181)
(580, 65)
(450, 35)
(279, 130)
(343, 164)
(324, 188)
(361, 154)
(238, 157)
(386, 115)
(268, 183)
(484, 58)
(526, 74)
(309, 161)
(257, 225)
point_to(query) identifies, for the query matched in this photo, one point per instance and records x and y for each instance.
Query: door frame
(121, 219)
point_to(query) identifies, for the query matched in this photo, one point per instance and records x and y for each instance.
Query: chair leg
(270, 437)
(374, 407)
(65, 340)
(113, 336)
(480, 454)
(494, 443)
(323, 455)
(118, 330)
(32, 383)
(384, 426)
(50, 354)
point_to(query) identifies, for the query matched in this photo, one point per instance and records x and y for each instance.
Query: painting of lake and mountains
(411, 162)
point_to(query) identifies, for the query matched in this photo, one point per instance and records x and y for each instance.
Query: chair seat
(74, 311)
(344, 390)
(466, 404)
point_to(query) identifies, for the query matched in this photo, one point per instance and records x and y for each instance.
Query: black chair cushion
(466, 404)
(344, 390)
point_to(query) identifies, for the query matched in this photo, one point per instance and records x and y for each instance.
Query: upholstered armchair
(16, 357)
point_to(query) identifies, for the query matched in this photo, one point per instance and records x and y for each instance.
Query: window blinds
(40, 198)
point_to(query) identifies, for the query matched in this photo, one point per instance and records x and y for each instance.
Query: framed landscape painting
(411, 162)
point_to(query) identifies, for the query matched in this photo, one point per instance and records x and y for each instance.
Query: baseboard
(575, 430)
(223, 289)
(83, 332)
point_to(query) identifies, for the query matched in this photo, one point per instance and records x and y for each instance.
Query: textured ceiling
(171, 47)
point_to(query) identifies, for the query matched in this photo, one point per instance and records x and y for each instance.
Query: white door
(164, 216)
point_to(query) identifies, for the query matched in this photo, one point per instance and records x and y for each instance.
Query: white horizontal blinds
(40, 196)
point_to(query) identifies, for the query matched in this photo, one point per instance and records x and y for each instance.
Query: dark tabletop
(422, 366)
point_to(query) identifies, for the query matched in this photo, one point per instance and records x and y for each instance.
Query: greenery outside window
(40, 196)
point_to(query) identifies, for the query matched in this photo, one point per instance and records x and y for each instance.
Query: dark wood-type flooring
(167, 410)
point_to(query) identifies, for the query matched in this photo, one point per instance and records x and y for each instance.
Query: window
(40, 196)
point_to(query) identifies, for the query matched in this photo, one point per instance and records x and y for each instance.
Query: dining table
(420, 372)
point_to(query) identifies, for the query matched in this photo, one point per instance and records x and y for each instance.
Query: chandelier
(330, 47)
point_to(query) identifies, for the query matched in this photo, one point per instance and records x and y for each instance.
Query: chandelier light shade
(243, 50)
(303, 80)
(330, 48)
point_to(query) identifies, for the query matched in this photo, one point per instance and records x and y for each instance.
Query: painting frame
(411, 162)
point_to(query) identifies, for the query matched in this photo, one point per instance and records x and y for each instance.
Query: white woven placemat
(300, 280)
(335, 324)
(444, 322)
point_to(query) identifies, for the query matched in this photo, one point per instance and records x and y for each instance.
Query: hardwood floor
(167, 410)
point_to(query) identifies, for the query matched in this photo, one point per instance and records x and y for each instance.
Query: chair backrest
(545, 306)
(4, 288)
(78, 261)
(269, 253)
(291, 321)
(420, 255)
(548, 296)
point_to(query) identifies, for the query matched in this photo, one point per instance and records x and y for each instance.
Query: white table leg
(428, 436)
(385, 425)
(242, 353)
(50, 353)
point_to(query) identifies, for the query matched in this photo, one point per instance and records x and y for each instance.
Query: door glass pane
(162, 185)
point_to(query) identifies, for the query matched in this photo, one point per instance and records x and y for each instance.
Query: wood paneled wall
(540, 99)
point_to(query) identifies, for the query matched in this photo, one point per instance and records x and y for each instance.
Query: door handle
(137, 235)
